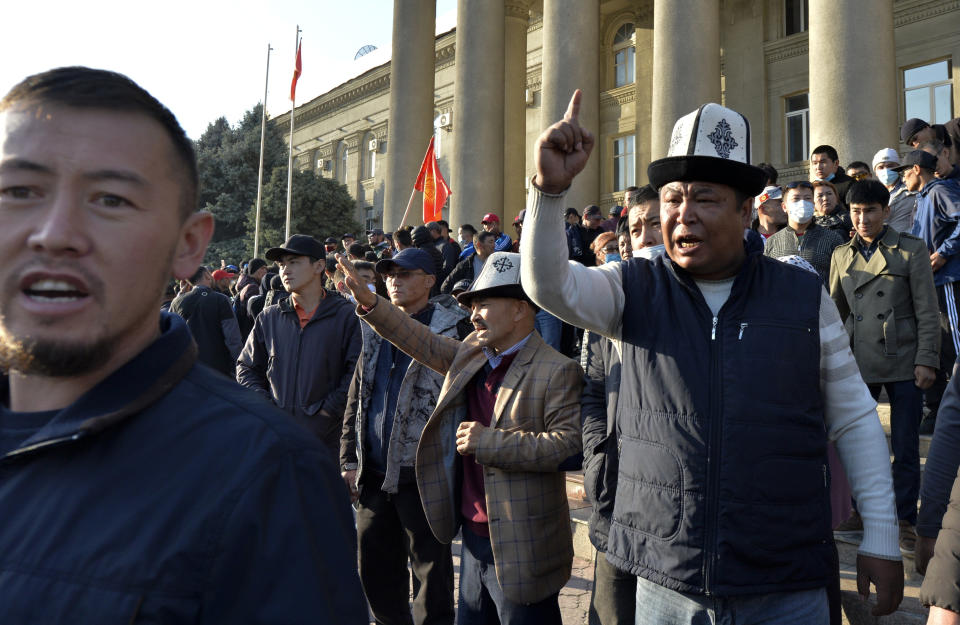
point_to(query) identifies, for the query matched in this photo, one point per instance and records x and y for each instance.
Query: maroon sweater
(481, 396)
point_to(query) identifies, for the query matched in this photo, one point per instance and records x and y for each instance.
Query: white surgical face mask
(801, 211)
(650, 252)
(888, 176)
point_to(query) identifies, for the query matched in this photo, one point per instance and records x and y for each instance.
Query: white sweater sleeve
(852, 422)
(586, 297)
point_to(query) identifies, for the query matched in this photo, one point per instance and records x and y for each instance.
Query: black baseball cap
(918, 157)
(348, 235)
(329, 240)
(376, 231)
(410, 258)
(300, 245)
(911, 127)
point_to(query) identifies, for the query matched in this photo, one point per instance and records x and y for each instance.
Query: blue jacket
(938, 224)
(722, 486)
(166, 494)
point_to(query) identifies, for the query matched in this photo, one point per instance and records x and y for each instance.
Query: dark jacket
(598, 413)
(166, 494)
(450, 252)
(213, 326)
(937, 222)
(304, 371)
(942, 462)
(941, 585)
(462, 271)
(415, 402)
(256, 304)
(841, 181)
(722, 486)
(838, 220)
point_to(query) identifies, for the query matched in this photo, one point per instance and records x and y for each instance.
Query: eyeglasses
(801, 184)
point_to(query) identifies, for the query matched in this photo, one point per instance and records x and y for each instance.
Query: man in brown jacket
(490, 456)
(882, 283)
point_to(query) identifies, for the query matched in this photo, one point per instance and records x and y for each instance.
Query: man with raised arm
(731, 385)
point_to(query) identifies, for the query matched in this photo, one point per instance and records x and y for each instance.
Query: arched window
(341, 168)
(369, 151)
(624, 53)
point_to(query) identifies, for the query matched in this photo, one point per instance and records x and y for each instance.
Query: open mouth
(54, 290)
(688, 242)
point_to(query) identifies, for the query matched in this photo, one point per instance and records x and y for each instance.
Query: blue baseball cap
(409, 258)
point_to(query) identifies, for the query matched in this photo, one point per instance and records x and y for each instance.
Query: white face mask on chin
(650, 252)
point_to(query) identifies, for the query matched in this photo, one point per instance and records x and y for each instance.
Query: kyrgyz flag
(297, 69)
(434, 187)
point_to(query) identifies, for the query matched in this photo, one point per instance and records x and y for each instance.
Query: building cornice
(910, 11)
(619, 95)
(786, 48)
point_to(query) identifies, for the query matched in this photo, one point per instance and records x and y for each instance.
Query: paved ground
(574, 598)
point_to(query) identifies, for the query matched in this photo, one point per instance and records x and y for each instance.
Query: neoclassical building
(804, 72)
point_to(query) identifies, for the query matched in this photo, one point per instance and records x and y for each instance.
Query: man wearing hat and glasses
(302, 351)
(390, 400)
(736, 370)
(491, 454)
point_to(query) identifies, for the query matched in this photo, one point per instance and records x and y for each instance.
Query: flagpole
(293, 107)
(403, 222)
(263, 137)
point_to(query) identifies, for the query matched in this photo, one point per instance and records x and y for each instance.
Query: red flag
(297, 69)
(434, 187)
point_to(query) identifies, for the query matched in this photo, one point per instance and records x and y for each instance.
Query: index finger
(573, 109)
(346, 266)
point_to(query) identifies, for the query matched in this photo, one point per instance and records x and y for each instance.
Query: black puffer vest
(722, 484)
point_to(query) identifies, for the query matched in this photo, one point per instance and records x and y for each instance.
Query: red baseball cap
(489, 217)
(220, 274)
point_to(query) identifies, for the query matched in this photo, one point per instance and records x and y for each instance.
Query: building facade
(804, 72)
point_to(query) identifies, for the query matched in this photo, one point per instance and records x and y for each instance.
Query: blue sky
(203, 58)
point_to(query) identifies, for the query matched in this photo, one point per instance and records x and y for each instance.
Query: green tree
(320, 207)
(228, 159)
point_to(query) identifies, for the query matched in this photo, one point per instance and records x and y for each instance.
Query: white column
(477, 164)
(686, 63)
(571, 60)
(410, 126)
(517, 19)
(853, 87)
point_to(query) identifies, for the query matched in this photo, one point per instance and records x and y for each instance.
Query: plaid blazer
(535, 427)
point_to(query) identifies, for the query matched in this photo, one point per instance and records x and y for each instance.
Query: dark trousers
(906, 406)
(390, 529)
(481, 600)
(948, 296)
(614, 598)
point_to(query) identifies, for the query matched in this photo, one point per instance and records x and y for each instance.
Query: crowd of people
(721, 403)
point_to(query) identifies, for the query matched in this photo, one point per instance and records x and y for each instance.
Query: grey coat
(888, 305)
(418, 397)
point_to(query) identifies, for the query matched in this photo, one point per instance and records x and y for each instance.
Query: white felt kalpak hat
(711, 144)
(500, 277)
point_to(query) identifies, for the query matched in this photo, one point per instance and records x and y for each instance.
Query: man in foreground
(138, 486)
(489, 459)
(714, 498)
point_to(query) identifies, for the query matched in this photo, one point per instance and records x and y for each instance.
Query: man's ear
(433, 280)
(192, 243)
(746, 211)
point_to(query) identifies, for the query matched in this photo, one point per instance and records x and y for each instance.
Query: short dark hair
(443, 223)
(355, 249)
(483, 236)
(646, 194)
(829, 150)
(623, 227)
(403, 238)
(331, 264)
(771, 171)
(858, 165)
(571, 211)
(370, 256)
(86, 88)
(198, 274)
(468, 228)
(868, 192)
(364, 264)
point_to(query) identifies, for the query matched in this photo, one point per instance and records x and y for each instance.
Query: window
(928, 92)
(798, 127)
(341, 163)
(624, 52)
(371, 219)
(623, 162)
(796, 16)
(369, 147)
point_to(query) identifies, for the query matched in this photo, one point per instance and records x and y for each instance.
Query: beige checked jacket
(535, 427)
